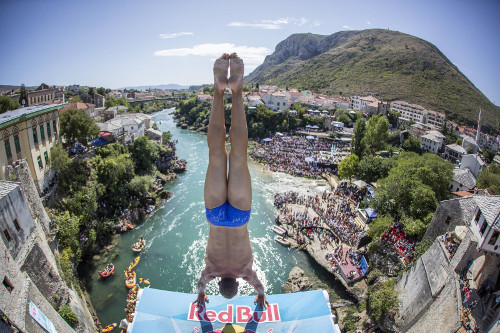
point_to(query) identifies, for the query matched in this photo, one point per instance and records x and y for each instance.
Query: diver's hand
(261, 301)
(201, 299)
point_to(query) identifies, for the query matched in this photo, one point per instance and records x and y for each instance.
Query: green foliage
(392, 117)
(113, 101)
(74, 177)
(166, 136)
(413, 227)
(140, 185)
(144, 152)
(490, 178)
(59, 159)
(76, 125)
(348, 167)
(83, 202)
(114, 150)
(422, 247)
(350, 322)
(23, 95)
(6, 104)
(383, 300)
(414, 186)
(488, 155)
(412, 144)
(68, 235)
(377, 132)
(380, 225)
(358, 146)
(67, 313)
(372, 168)
(75, 99)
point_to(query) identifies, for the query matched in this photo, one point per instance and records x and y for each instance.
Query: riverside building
(29, 133)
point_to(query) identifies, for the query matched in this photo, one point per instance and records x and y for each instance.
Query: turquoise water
(177, 233)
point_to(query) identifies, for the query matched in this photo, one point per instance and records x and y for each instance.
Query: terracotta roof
(462, 194)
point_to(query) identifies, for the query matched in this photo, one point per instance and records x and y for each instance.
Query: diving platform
(168, 311)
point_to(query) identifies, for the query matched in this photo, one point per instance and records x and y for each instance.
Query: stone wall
(20, 171)
(428, 294)
(15, 218)
(449, 215)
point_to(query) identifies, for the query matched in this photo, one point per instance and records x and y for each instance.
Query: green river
(177, 233)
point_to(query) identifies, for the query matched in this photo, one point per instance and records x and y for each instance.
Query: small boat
(278, 230)
(109, 327)
(110, 270)
(139, 245)
(144, 281)
(130, 279)
(282, 241)
(134, 263)
(130, 226)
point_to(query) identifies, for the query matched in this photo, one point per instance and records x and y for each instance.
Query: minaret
(478, 127)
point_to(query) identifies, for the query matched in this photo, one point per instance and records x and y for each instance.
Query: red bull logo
(243, 314)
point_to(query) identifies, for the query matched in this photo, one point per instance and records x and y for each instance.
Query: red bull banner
(167, 311)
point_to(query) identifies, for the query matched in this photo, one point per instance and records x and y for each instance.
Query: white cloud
(251, 55)
(316, 23)
(368, 22)
(176, 34)
(346, 27)
(271, 24)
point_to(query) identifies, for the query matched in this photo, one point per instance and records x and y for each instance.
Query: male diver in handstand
(228, 197)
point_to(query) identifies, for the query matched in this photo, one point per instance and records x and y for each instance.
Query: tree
(349, 167)
(377, 132)
(101, 91)
(358, 146)
(76, 125)
(23, 96)
(459, 141)
(166, 136)
(75, 99)
(412, 144)
(143, 152)
(59, 159)
(490, 178)
(67, 313)
(140, 185)
(380, 225)
(393, 117)
(372, 168)
(6, 104)
(68, 233)
(413, 227)
(383, 300)
(469, 150)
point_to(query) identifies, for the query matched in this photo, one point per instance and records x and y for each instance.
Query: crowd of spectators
(299, 156)
(449, 243)
(335, 214)
(397, 239)
(348, 261)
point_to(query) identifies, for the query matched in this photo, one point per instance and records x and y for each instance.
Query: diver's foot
(236, 70)
(221, 66)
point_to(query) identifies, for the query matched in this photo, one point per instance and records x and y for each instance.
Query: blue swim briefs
(227, 216)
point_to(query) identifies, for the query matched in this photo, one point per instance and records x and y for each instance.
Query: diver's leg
(239, 183)
(216, 178)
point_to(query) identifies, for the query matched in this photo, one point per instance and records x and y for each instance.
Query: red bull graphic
(243, 313)
(168, 311)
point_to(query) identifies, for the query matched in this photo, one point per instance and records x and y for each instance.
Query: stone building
(28, 267)
(41, 95)
(432, 292)
(29, 133)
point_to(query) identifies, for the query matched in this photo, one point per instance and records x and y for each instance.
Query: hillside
(388, 64)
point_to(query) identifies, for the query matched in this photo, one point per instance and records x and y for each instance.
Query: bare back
(229, 252)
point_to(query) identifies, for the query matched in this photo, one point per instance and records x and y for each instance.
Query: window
(46, 156)
(40, 165)
(48, 130)
(7, 235)
(483, 227)
(16, 224)
(448, 220)
(35, 136)
(42, 132)
(16, 144)
(478, 215)
(7, 284)
(54, 127)
(494, 237)
(8, 152)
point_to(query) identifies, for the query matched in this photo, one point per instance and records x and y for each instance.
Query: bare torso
(229, 253)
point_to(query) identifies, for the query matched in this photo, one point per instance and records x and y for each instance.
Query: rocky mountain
(387, 64)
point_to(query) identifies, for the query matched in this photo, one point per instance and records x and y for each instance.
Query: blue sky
(126, 43)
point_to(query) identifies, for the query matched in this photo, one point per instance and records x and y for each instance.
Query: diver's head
(228, 287)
